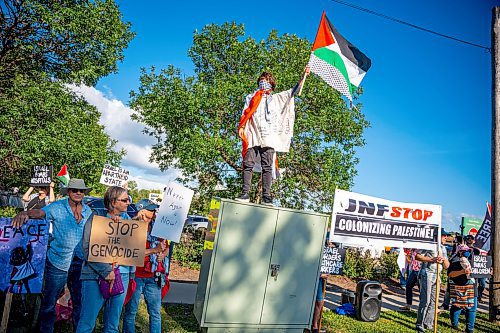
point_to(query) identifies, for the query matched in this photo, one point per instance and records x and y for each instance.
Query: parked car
(97, 205)
(196, 222)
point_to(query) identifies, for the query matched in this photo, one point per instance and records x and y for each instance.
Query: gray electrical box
(260, 268)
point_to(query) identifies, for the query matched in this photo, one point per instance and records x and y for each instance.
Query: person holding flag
(266, 127)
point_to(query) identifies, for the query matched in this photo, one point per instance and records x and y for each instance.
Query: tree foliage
(43, 122)
(45, 44)
(195, 118)
(71, 40)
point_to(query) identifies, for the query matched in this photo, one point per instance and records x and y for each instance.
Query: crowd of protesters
(462, 291)
(67, 265)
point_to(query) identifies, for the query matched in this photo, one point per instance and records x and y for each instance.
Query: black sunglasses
(76, 190)
(123, 200)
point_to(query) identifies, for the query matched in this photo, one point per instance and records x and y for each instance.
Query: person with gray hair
(64, 255)
(116, 201)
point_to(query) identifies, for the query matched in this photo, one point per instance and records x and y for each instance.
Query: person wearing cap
(150, 279)
(64, 254)
(470, 241)
(428, 282)
(463, 294)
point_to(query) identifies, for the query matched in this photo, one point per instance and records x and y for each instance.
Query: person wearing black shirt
(463, 293)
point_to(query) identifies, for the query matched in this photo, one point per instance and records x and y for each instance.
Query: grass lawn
(180, 319)
(399, 322)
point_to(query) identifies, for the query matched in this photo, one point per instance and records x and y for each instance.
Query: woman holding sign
(104, 283)
(463, 291)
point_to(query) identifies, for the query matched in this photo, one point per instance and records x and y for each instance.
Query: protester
(263, 133)
(428, 279)
(412, 280)
(39, 200)
(151, 278)
(318, 304)
(116, 202)
(68, 218)
(463, 294)
(14, 198)
(446, 300)
(470, 241)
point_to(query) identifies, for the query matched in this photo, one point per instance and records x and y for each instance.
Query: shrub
(388, 266)
(189, 251)
(9, 211)
(358, 264)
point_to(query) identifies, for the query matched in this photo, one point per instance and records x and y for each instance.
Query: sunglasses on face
(123, 200)
(76, 190)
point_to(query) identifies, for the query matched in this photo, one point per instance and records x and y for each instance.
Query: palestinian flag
(337, 61)
(63, 175)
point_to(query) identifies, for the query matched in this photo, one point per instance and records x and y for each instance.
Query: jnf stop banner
(22, 256)
(122, 242)
(363, 220)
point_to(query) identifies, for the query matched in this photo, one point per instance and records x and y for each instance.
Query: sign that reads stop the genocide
(41, 175)
(122, 242)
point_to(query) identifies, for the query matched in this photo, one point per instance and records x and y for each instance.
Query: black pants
(266, 161)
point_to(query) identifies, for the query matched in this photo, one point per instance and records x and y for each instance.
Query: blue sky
(428, 98)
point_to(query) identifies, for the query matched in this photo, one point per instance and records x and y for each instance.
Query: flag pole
(303, 80)
(438, 279)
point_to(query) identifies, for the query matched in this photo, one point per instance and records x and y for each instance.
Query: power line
(410, 24)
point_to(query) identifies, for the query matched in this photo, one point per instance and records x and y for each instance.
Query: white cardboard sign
(114, 176)
(173, 212)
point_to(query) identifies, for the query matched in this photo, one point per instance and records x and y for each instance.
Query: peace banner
(363, 220)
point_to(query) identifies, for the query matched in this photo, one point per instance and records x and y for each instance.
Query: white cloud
(116, 118)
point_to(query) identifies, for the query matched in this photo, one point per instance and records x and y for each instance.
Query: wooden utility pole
(495, 167)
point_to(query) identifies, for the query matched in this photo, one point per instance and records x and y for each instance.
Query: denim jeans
(425, 313)
(410, 283)
(152, 296)
(481, 285)
(54, 281)
(92, 302)
(470, 316)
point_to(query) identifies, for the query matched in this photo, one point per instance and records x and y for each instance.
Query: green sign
(471, 225)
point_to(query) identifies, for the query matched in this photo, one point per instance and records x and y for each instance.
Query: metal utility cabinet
(260, 268)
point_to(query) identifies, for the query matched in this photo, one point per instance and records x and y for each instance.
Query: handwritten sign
(332, 261)
(122, 242)
(114, 176)
(155, 197)
(481, 266)
(173, 212)
(22, 256)
(41, 175)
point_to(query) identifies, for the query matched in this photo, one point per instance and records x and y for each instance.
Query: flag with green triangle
(63, 175)
(339, 63)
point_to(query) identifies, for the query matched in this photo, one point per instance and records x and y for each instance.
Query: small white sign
(155, 197)
(114, 176)
(173, 212)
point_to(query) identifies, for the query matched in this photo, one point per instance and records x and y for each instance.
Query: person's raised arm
(298, 87)
(52, 197)
(26, 196)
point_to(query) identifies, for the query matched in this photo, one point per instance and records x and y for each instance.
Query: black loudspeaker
(368, 300)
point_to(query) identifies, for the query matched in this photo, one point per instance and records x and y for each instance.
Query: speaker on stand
(368, 300)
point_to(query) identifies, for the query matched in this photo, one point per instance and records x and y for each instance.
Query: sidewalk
(392, 298)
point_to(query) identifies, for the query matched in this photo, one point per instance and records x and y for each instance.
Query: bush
(9, 211)
(358, 264)
(388, 266)
(189, 251)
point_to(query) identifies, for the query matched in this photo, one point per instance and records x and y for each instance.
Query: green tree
(195, 118)
(43, 122)
(74, 41)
